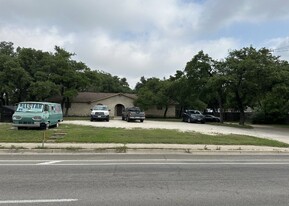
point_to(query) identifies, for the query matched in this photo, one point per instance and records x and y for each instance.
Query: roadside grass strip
(89, 134)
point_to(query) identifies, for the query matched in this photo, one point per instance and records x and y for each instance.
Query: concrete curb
(133, 148)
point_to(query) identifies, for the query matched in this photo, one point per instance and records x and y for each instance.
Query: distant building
(116, 102)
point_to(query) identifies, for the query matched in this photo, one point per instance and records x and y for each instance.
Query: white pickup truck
(99, 112)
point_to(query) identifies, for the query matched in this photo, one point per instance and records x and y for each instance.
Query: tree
(215, 89)
(274, 106)
(248, 71)
(180, 91)
(100, 81)
(206, 82)
(6, 55)
(29, 74)
(37, 64)
(17, 81)
(68, 75)
(153, 91)
(7, 48)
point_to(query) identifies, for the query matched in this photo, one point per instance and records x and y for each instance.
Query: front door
(119, 108)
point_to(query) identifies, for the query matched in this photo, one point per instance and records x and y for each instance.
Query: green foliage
(246, 78)
(154, 91)
(204, 83)
(29, 74)
(251, 74)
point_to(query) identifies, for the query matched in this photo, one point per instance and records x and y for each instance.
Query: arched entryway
(118, 110)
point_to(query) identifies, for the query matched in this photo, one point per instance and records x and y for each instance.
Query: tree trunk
(166, 110)
(63, 103)
(241, 109)
(181, 112)
(66, 112)
(220, 100)
(242, 117)
(67, 106)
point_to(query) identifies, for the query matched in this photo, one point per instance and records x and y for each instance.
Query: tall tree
(248, 71)
(273, 107)
(7, 54)
(153, 91)
(206, 82)
(68, 75)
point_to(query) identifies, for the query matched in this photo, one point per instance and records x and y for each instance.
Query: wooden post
(43, 140)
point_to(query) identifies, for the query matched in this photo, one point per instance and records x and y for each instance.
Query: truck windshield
(135, 109)
(100, 107)
(30, 107)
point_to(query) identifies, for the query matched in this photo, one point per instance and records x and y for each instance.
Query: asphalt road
(122, 179)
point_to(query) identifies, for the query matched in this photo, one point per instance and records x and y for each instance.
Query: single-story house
(82, 104)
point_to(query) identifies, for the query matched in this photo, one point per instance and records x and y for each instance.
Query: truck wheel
(107, 119)
(141, 120)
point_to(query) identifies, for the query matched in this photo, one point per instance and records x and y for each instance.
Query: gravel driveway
(281, 134)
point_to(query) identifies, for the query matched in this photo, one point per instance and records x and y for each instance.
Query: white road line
(152, 163)
(49, 162)
(139, 162)
(36, 201)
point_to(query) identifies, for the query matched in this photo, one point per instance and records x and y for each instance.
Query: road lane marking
(36, 201)
(140, 162)
(147, 163)
(49, 162)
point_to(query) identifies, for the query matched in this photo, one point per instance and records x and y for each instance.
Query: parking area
(262, 131)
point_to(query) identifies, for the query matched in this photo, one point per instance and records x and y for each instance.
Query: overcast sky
(150, 38)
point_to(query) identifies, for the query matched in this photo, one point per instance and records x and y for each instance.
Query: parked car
(193, 116)
(212, 118)
(133, 113)
(37, 114)
(99, 112)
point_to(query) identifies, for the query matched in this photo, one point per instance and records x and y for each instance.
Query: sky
(150, 38)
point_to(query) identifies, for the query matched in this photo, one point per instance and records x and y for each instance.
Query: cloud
(220, 14)
(158, 58)
(37, 38)
(134, 38)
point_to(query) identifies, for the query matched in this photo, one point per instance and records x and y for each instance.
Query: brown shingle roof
(87, 97)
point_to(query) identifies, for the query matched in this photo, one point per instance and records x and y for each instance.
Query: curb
(52, 148)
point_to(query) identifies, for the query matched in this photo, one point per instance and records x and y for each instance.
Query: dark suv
(193, 116)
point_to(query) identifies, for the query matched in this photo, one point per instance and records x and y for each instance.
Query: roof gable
(88, 97)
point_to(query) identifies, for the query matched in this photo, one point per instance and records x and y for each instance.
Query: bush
(269, 118)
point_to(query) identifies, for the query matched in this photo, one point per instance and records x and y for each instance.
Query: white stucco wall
(83, 109)
(155, 112)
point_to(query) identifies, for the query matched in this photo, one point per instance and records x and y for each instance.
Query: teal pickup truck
(37, 114)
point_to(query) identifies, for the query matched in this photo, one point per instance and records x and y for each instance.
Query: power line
(281, 49)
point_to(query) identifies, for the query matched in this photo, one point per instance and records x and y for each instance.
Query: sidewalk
(133, 148)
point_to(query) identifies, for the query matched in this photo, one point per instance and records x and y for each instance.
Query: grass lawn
(88, 134)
